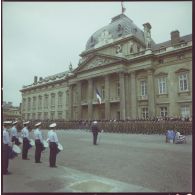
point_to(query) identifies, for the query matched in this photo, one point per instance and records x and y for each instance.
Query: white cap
(52, 125)
(7, 122)
(38, 124)
(15, 122)
(25, 123)
(94, 122)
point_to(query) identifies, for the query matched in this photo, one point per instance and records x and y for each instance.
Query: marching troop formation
(12, 141)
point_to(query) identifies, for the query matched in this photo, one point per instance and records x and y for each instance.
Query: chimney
(35, 79)
(40, 79)
(175, 38)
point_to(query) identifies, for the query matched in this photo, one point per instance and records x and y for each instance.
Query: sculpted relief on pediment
(98, 61)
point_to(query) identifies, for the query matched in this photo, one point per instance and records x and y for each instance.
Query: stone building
(11, 112)
(135, 77)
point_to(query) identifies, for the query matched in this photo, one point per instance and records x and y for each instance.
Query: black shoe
(54, 166)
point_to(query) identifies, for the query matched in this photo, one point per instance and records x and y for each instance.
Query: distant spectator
(179, 139)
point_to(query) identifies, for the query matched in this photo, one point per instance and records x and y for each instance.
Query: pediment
(97, 61)
(161, 74)
(182, 70)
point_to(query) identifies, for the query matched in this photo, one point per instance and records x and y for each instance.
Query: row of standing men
(11, 138)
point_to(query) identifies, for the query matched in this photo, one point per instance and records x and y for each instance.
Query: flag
(98, 96)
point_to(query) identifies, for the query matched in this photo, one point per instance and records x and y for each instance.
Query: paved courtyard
(119, 163)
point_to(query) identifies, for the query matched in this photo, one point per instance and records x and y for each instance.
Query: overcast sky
(42, 38)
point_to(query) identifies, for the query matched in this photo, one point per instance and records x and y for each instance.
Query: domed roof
(120, 26)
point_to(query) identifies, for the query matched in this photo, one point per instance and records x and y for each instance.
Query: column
(70, 102)
(133, 96)
(122, 95)
(151, 98)
(79, 100)
(90, 98)
(107, 97)
(127, 93)
(172, 91)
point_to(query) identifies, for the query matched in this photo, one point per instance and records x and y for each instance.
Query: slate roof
(184, 39)
(126, 25)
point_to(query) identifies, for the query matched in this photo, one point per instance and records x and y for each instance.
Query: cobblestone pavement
(119, 163)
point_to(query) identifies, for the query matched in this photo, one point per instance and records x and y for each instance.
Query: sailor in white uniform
(14, 133)
(26, 141)
(38, 143)
(6, 144)
(53, 145)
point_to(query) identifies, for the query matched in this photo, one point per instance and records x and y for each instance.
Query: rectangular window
(59, 115)
(24, 104)
(46, 115)
(143, 86)
(60, 95)
(39, 115)
(144, 113)
(34, 103)
(33, 116)
(52, 100)
(162, 85)
(185, 111)
(52, 115)
(46, 101)
(163, 111)
(183, 82)
(29, 103)
(40, 103)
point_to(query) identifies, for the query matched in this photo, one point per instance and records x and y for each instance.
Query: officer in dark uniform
(6, 145)
(95, 129)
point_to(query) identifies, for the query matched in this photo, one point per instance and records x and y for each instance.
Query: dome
(120, 26)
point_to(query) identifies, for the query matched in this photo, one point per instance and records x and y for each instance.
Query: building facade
(11, 112)
(135, 77)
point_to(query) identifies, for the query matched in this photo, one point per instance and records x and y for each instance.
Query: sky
(42, 38)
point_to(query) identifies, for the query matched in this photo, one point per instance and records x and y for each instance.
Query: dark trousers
(53, 153)
(5, 158)
(38, 150)
(95, 134)
(25, 148)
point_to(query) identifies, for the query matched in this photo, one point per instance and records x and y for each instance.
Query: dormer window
(180, 57)
(138, 48)
(135, 30)
(161, 61)
(162, 48)
(119, 27)
(131, 49)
